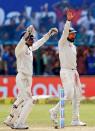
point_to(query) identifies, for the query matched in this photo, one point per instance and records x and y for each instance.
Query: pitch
(51, 129)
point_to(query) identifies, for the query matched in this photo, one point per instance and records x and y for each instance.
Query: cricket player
(24, 55)
(68, 73)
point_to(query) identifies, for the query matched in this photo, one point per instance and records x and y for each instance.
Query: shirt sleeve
(40, 42)
(65, 33)
(19, 48)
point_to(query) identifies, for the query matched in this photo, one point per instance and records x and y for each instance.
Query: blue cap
(72, 30)
(22, 34)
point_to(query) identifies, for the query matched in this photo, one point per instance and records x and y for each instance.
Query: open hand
(70, 15)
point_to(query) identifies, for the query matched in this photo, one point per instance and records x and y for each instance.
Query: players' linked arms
(40, 42)
(70, 16)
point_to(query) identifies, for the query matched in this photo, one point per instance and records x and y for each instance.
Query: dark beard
(71, 40)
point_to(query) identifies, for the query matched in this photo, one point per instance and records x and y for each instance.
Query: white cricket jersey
(24, 55)
(67, 50)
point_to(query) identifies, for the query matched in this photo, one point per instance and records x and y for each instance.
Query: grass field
(39, 116)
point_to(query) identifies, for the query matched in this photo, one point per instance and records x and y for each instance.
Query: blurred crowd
(48, 62)
(84, 21)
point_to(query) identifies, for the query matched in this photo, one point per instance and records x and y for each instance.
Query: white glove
(53, 31)
(30, 29)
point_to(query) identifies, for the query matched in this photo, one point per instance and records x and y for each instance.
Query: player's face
(72, 36)
(30, 41)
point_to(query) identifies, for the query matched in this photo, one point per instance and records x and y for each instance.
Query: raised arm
(65, 33)
(20, 47)
(40, 42)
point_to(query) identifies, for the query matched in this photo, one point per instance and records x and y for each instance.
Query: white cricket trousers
(23, 83)
(23, 105)
(72, 90)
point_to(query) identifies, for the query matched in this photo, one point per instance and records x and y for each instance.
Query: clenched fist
(30, 29)
(53, 31)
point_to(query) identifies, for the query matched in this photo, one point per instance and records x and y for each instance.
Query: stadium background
(15, 16)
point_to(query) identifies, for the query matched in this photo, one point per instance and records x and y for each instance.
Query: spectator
(90, 62)
(56, 65)
(2, 63)
(2, 66)
(9, 58)
(82, 38)
(91, 34)
(20, 27)
(81, 58)
(35, 20)
(86, 21)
